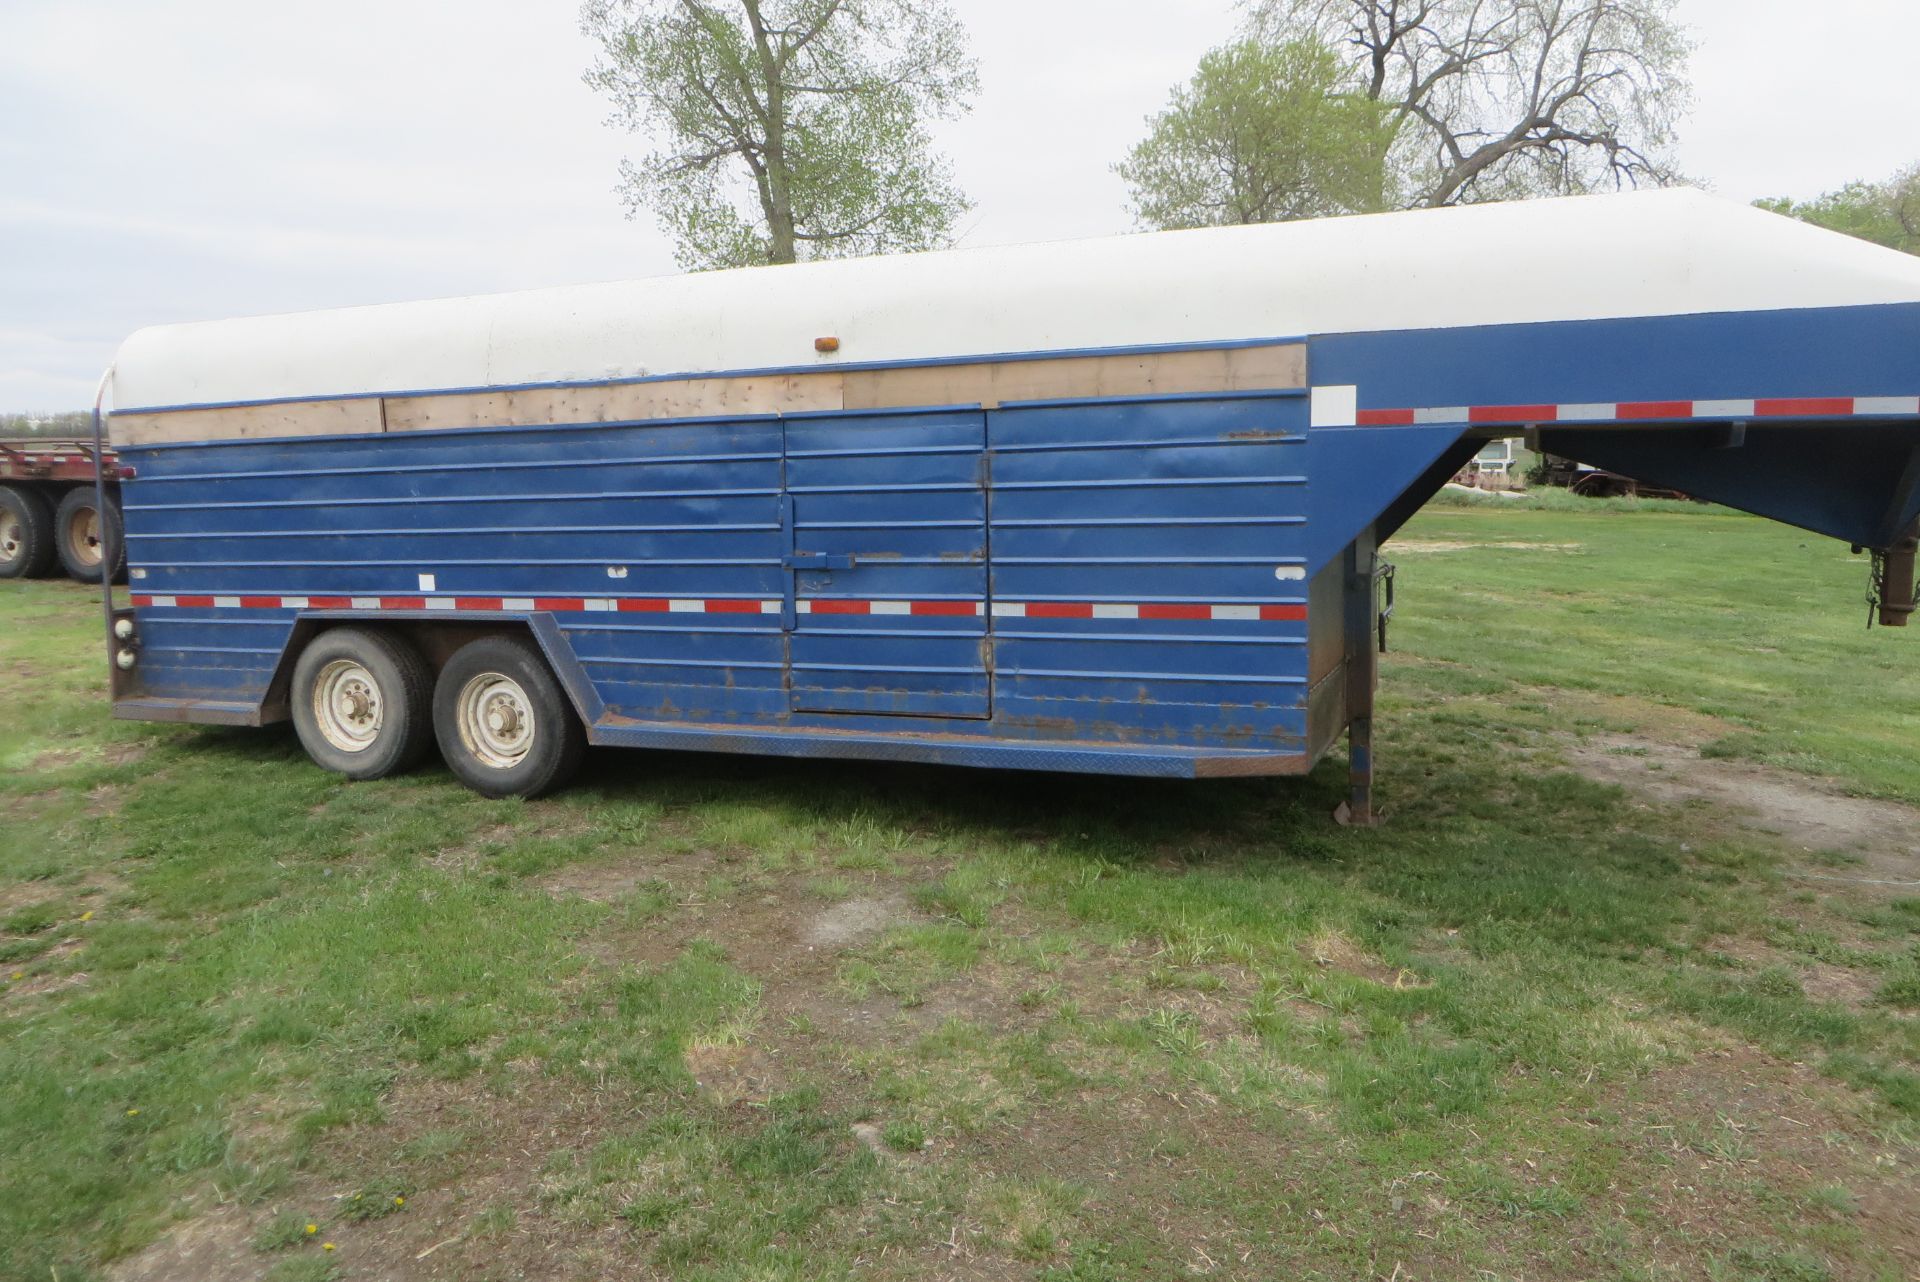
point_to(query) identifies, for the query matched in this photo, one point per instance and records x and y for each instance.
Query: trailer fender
(437, 636)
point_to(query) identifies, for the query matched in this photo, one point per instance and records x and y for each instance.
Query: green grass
(1532, 1026)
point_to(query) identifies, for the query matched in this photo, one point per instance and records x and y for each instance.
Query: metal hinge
(817, 561)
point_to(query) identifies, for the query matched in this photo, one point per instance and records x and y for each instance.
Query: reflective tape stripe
(815, 606)
(1645, 411)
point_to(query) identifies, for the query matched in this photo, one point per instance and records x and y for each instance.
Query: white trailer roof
(1656, 253)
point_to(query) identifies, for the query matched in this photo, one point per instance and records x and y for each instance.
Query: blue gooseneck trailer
(1108, 506)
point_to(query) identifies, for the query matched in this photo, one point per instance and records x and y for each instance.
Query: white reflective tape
(1886, 405)
(226, 603)
(803, 607)
(770, 607)
(1723, 409)
(293, 603)
(686, 607)
(440, 602)
(1110, 611)
(365, 602)
(1337, 406)
(1599, 412)
(602, 605)
(163, 600)
(1448, 414)
(1236, 612)
(1009, 610)
(522, 603)
(426, 585)
(890, 607)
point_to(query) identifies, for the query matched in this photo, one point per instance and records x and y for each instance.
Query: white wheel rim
(83, 536)
(347, 706)
(496, 720)
(10, 537)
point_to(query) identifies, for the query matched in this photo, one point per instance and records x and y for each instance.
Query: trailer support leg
(1363, 671)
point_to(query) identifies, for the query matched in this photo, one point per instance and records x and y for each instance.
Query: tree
(788, 129)
(1264, 132)
(1501, 99)
(1886, 213)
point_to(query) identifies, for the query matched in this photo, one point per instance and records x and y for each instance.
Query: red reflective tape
(201, 602)
(479, 603)
(819, 606)
(1804, 407)
(1384, 418)
(734, 607)
(560, 604)
(329, 602)
(1290, 612)
(403, 603)
(644, 605)
(260, 603)
(1513, 414)
(944, 608)
(1653, 409)
(1175, 610)
(1059, 609)
(140, 599)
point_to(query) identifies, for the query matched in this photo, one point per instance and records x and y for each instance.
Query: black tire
(346, 675)
(87, 545)
(481, 707)
(26, 533)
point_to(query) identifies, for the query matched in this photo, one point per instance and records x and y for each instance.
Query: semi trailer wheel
(504, 724)
(88, 542)
(26, 534)
(362, 703)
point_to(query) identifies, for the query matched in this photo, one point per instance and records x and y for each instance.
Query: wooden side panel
(248, 422)
(995, 383)
(621, 403)
(984, 383)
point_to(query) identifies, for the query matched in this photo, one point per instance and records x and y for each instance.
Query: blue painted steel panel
(896, 532)
(1840, 351)
(903, 498)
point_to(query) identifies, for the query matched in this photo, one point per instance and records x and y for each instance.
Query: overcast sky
(207, 158)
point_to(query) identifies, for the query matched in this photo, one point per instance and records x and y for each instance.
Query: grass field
(1571, 1012)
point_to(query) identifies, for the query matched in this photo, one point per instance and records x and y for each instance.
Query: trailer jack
(1890, 595)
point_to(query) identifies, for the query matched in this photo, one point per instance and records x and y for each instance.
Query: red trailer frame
(49, 510)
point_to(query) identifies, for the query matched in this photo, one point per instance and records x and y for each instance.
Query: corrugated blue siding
(1171, 501)
(969, 533)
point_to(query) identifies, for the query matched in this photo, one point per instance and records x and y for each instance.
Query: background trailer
(1107, 506)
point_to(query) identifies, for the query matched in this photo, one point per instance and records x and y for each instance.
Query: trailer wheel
(86, 542)
(26, 534)
(504, 724)
(362, 703)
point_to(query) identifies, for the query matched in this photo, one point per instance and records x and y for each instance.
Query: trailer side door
(887, 605)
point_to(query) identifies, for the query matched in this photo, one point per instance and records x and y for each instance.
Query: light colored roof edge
(1673, 252)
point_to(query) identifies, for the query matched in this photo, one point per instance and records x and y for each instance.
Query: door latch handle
(817, 561)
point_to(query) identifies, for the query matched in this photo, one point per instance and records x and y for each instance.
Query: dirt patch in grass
(1734, 1117)
(216, 1247)
(1821, 981)
(853, 921)
(604, 883)
(1334, 951)
(1802, 812)
(112, 754)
